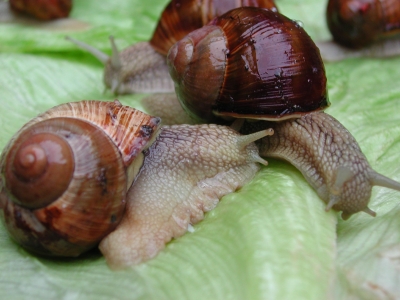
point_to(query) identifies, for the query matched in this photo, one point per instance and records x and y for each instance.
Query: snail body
(67, 178)
(141, 68)
(317, 144)
(329, 158)
(362, 28)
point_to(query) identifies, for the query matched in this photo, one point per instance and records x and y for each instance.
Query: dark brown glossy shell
(103, 139)
(181, 17)
(269, 68)
(358, 23)
(43, 9)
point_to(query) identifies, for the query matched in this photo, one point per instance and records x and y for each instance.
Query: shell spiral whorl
(256, 63)
(66, 173)
(35, 167)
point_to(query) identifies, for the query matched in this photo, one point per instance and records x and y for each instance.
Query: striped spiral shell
(64, 167)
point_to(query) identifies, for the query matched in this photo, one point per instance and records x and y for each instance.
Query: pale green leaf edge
(270, 240)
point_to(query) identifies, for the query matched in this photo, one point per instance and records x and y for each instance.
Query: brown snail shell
(112, 146)
(359, 23)
(142, 66)
(180, 17)
(255, 63)
(42, 9)
(219, 70)
(64, 183)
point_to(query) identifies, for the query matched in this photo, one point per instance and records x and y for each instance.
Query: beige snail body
(317, 144)
(66, 179)
(141, 68)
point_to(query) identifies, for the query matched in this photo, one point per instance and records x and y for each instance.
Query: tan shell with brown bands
(129, 128)
(82, 203)
(181, 17)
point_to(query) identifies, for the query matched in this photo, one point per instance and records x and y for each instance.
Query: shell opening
(381, 180)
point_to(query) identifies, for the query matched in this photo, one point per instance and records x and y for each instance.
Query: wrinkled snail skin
(141, 68)
(329, 158)
(316, 143)
(136, 69)
(362, 28)
(116, 163)
(192, 175)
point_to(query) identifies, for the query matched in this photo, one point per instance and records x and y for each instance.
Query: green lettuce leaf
(270, 240)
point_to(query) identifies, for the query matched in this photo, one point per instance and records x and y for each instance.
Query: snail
(257, 64)
(43, 10)
(84, 169)
(362, 28)
(141, 68)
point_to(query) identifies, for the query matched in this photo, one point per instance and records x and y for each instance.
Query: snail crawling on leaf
(362, 28)
(257, 64)
(92, 172)
(142, 68)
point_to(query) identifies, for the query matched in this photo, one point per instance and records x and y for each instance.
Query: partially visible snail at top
(91, 172)
(257, 64)
(362, 28)
(141, 68)
(43, 10)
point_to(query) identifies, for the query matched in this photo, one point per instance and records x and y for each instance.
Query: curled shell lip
(179, 56)
(197, 66)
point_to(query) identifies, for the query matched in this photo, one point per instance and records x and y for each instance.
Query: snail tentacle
(101, 56)
(381, 180)
(115, 60)
(343, 174)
